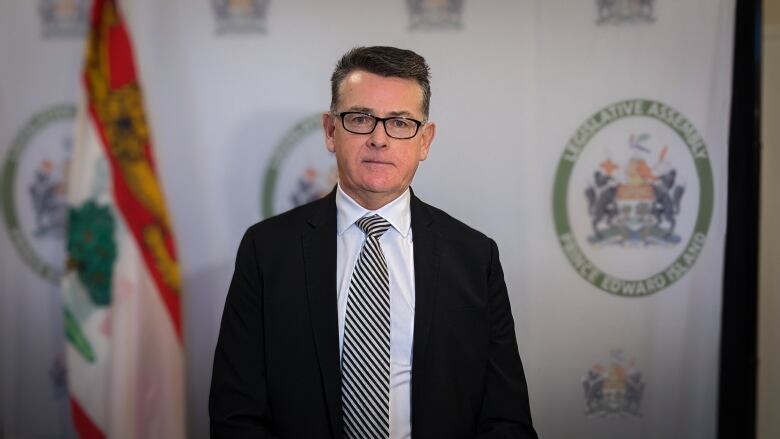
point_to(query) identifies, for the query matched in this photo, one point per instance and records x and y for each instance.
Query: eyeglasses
(396, 127)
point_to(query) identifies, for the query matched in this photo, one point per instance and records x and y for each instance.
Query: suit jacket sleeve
(505, 408)
(238, 403)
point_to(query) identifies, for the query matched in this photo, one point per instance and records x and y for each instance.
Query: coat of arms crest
(635, 202)
(624, 11)
(614, 388)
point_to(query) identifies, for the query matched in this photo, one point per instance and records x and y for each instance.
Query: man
(369, 313)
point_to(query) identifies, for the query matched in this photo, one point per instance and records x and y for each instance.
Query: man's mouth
(376, 162)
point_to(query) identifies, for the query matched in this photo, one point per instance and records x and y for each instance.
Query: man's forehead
(370, 93)
(354, 76)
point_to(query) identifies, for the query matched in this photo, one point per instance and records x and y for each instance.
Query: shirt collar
(396, 212)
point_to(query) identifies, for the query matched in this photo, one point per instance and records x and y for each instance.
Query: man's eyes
(362, 120)
(400, 123)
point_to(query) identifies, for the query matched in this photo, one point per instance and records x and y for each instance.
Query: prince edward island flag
(121, 292)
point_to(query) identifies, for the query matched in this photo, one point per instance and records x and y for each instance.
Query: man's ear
(426, 138)
(329, 127)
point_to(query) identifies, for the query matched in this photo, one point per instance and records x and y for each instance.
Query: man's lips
(377, 162)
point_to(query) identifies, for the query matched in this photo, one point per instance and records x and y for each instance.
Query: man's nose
(379, 136)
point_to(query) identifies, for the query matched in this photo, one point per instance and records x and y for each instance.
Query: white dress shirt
(398, 249)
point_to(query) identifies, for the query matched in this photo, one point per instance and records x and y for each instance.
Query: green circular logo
(301, 169)
(33, 190)
(633, 197)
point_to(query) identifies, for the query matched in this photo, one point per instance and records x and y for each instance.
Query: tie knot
(373, 226)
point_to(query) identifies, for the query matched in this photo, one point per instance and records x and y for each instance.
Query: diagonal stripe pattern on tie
(365, 364)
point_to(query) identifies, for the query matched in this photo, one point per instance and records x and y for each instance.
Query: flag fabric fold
(121, 292)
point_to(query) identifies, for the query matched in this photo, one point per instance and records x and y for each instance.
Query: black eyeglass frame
(380, 119)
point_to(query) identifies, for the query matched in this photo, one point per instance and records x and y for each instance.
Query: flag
(121, 292)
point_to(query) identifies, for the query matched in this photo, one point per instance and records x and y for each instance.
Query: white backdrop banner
(588, 138)
(632, 138)
(41, 46)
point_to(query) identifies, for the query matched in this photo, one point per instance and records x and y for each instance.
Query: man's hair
(384, 61)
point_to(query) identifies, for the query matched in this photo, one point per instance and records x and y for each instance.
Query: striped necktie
(365, 363)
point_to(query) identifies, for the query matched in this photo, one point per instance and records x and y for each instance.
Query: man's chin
(378, 167)
(380, 190)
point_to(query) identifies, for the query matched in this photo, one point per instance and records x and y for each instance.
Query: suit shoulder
(453, 227)
(292, 221)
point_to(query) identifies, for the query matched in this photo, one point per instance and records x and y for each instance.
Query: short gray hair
(384, 61)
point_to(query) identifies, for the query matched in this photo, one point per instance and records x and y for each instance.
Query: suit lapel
(319, 256)
(426, 272)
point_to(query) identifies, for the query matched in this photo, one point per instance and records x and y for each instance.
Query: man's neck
(372, 201)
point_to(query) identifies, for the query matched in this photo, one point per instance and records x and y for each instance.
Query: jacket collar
(427, 258)
(319, 256)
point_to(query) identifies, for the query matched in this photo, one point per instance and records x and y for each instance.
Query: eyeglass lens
(398, 127)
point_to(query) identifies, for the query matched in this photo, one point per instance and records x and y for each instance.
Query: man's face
(374, 169)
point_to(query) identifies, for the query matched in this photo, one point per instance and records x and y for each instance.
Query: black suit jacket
(276, 366)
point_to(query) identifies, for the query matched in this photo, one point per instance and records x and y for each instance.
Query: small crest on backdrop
(301, 169)
(63, 18)
(240, 16)
(47, 197)
(435, 14)
(614, 388)
(624, 11)
(33, 195)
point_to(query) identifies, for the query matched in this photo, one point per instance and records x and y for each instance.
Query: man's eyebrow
(400, 113)
(361, 110)
(371, 111)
